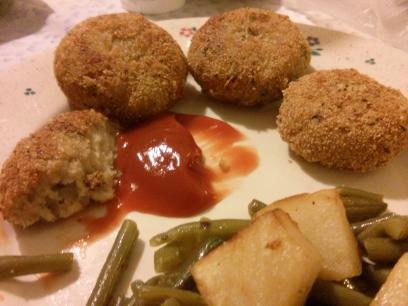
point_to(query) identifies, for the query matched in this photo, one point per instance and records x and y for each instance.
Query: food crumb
(274, 244)
(224, 166)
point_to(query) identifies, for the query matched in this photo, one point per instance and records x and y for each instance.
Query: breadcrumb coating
(59, 169)
(344, 119)
(247, 56)
(121, 65)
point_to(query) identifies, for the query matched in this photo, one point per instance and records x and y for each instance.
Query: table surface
(33, 26)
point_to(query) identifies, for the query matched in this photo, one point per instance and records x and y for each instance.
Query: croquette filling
(72, 184)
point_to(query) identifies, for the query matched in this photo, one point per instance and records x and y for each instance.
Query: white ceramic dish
(30, 96)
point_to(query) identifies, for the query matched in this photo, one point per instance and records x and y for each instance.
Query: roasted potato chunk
(395, 289)
(269, 261)
(322, 219)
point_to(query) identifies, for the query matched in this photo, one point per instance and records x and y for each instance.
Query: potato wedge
(394, 292)
(269, 261)
(321, 217)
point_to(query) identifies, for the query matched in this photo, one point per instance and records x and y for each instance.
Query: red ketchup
(163, 169)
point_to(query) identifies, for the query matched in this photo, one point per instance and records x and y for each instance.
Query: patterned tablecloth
(32, 26)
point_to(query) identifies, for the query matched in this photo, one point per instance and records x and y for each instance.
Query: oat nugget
(344, 119)
(59, 169)
(247, 56)
(121, 65)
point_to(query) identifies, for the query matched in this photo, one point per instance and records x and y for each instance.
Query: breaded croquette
(247, 56)
(121, 65)
(343, 119)
(60, 169)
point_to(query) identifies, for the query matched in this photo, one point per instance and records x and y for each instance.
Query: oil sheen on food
(164, 171)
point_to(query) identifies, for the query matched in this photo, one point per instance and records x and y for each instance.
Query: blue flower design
(29, 92)
(316, 51)
(370, 61)
(313, 41)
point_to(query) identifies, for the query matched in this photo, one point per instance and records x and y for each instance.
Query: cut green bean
(358, 227)
(118, 301)
(168, 258)
(224, 228)
(397, 228)
(358, 209)
(377, 230)
(348, 284)
(154, 281)
(345, 191)
(375, 274)
(333, 294)
(132, 301)
(382, 250)
(157, 295)
(181, 278)
(356, 284)
(361, 205)
(171, 302)
(11, 266)
(115, 262)
(254, 206)
(163, 280)
(135, 286)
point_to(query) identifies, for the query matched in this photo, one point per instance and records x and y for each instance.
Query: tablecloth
(33, 26)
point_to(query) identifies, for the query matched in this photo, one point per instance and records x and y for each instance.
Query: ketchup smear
(163, 168)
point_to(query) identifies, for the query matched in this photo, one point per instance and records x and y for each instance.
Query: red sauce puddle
(163, 168)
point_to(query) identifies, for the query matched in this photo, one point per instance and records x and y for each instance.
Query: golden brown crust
(247, 56)
(344, 119)
(121, 65)
(36, 158)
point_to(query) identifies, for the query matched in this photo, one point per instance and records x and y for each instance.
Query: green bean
(397, 228)
(254, 206)
(348, 284)
(180, 279)
(163, 280)
(358, 227)
(224, 228)
(171, 302)
(354, 192)
(156, 295)
(361, 205)
(377, 230)
(118, 301)
(359, 209)
(375, 274)
(115, 262)
(333, 294)
(355, 283)
(167, 258)
(11, 266)
(132, 301)
(135, 286)
(382, 250)
(154, 281)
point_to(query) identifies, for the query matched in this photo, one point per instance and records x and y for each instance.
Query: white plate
(30, 96)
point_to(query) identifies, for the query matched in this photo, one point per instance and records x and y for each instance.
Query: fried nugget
(60, 169)
(247, 56)
(121, 65)
(343, 119)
